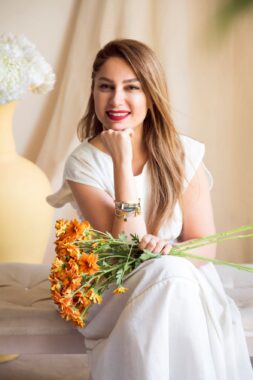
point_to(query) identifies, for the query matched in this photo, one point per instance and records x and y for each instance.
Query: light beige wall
(221, 115)
(48, 24)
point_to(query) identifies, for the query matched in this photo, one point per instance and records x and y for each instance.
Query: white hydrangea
(22, 68)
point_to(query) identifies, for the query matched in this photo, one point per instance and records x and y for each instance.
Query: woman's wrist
(124, 181)
(123, 166)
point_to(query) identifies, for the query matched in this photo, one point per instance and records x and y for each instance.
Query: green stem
(206, 242)
(218, 235)
(214, 261)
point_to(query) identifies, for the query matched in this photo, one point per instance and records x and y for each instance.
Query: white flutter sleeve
(194, 154)
(84, 166)
(81, 170)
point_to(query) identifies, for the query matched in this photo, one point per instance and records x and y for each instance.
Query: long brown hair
(165, 151)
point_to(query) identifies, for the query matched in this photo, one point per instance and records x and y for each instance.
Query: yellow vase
(25, 217)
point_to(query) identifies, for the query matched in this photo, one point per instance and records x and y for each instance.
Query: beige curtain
(210, 86)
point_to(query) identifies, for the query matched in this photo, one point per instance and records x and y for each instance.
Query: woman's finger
(166, 249)
(159, 246)
(151, 246)
(145, 241)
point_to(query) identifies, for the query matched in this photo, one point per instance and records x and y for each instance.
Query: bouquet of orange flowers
(89, 261)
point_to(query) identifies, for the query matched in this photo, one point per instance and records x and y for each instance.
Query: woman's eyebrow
(124, 81)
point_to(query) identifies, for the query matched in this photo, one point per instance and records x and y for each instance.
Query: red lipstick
(117, 115)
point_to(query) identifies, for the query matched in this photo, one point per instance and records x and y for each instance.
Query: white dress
(175, 322)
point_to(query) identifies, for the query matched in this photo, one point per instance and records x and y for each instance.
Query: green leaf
(104, 264)
(119, 275)
(122, 236)
(107, 247)
(147, 255)
(135, 238)
(109, 235)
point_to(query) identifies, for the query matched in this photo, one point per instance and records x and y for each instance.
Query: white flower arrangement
(22, 68)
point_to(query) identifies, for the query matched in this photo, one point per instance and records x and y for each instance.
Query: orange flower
(61, 248)
(55, 287)
(68, 311)
(65, 281)
(63, 240)
(56, 296)
(74, 284)
(66, 302)
(61, 225)
(72, 268)
(81, 298)
(64, 249)
(57, 265)
(88, 263)
(76, 318)
(73, 251)
(78, 230)
(120, 290)
(73, 314)
(93, 296)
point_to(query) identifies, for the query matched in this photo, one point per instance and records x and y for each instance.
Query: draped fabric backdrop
(210, 83)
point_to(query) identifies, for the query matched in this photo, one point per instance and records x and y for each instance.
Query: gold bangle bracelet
(121, 214)
(128, 202)
(127, 206)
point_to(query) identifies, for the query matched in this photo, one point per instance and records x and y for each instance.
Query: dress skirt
(175, 322)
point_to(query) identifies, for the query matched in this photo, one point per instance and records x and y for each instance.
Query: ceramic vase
(25, 217)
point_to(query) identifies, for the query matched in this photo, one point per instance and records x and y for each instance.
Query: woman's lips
(117, 115)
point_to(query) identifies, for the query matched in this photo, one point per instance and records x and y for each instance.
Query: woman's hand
(118, 144)
(155, 245)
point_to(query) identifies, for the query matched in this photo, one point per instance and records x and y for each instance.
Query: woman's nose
(117, 97)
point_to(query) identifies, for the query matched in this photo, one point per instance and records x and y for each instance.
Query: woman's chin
(116, 127)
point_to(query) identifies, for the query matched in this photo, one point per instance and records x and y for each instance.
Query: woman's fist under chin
(118, 144)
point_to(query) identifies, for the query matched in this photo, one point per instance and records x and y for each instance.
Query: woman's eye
(105, 86)
(132, 87)
(109, 87)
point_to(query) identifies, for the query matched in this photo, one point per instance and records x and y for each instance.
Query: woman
(134, 173)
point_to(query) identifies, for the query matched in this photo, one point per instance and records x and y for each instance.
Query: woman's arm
(97, 206)
(197, 220)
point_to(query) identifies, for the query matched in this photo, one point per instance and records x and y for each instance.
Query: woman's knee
(172, 266)
(169, 270)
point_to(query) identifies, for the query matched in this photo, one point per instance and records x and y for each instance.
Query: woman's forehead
(116, 67)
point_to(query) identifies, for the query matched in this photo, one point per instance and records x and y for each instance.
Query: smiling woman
(133, 172)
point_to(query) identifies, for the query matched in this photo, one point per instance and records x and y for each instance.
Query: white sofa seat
(238, 285)
(29, 321)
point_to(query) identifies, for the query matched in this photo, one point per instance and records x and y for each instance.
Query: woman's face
(119, 99)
